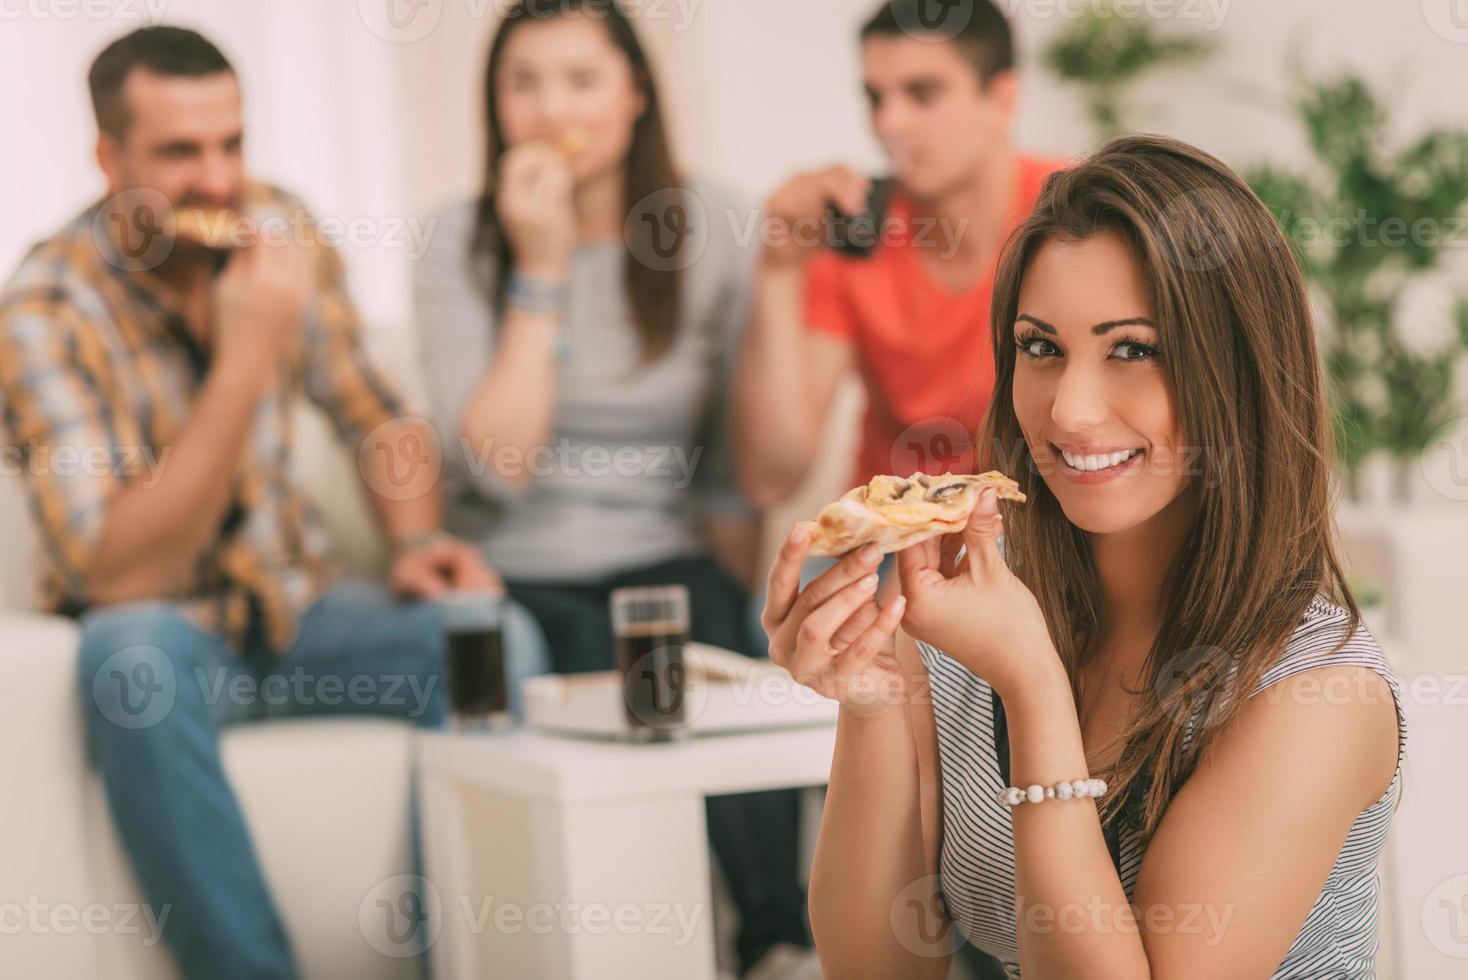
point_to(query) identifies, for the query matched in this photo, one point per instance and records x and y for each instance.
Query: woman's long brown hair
(653, 294)
(1239, 348)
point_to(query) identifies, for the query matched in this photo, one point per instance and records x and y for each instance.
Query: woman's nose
(1080, 401)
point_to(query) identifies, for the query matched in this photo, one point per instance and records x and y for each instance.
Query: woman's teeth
(1097, 462)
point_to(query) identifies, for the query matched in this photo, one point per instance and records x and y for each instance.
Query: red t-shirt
(923, 350)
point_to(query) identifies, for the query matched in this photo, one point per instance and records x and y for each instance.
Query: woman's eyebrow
(1101, 328)
(1098, 329)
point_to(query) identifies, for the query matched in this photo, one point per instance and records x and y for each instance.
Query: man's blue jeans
(157, 689)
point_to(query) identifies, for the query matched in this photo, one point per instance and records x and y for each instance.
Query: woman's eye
(1134, 350)
(1035, 347)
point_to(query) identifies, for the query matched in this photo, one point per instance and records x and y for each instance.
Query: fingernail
(798, 534)
(870, 553)
(869, 583)
(899, 604)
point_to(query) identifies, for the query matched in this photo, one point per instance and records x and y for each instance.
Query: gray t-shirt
(637, 454)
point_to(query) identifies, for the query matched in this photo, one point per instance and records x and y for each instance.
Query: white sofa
(327, 801)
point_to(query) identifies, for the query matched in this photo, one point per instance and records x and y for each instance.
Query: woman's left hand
(973, 607)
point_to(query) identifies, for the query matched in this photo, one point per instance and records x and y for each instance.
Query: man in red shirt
(913, 316)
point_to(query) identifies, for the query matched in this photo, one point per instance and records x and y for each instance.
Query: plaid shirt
(98, 373)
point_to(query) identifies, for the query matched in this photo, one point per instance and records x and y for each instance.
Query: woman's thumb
(981, 534)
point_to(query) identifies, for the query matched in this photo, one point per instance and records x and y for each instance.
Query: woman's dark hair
(654, 294)
(1234, 320)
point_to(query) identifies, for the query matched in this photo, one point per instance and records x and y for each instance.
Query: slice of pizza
(211, 228)
(893, 513)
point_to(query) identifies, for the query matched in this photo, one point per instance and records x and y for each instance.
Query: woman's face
(1090, 392)
(562, 81)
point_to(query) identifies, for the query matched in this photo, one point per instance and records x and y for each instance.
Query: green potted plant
(1368, 220)
(1104, 53)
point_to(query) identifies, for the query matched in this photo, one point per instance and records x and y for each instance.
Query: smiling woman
(1160, 401)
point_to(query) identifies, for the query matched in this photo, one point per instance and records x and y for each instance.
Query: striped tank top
(976, 864)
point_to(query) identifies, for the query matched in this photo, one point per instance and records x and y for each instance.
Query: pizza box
(724, 692)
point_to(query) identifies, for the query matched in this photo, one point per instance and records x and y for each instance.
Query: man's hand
(797, 211)
(258, 302)
(440, 564)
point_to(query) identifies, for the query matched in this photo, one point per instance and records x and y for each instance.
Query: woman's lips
(1105, 474)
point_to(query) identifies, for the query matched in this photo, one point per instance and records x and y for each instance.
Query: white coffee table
(565, 858)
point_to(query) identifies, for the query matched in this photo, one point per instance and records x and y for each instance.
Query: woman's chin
(1102, 516)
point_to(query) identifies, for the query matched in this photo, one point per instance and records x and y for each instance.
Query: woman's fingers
(852, 680)
(915, 562)
(981, 534)
(873, 640)
(862, 561)
(855, 625)
(783, 585)
(812, 640)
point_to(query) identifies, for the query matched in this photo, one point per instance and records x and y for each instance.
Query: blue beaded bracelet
(542, 297)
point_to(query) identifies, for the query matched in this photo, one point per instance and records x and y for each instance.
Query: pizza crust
(210, 228)
(895, 513)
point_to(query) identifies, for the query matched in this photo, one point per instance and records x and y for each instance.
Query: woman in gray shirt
(579, 322)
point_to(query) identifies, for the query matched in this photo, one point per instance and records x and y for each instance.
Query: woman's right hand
(534, 201)
(832, 636)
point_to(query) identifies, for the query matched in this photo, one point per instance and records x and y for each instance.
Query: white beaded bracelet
(1080, 789)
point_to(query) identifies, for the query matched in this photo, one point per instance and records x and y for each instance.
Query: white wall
(367, 127)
